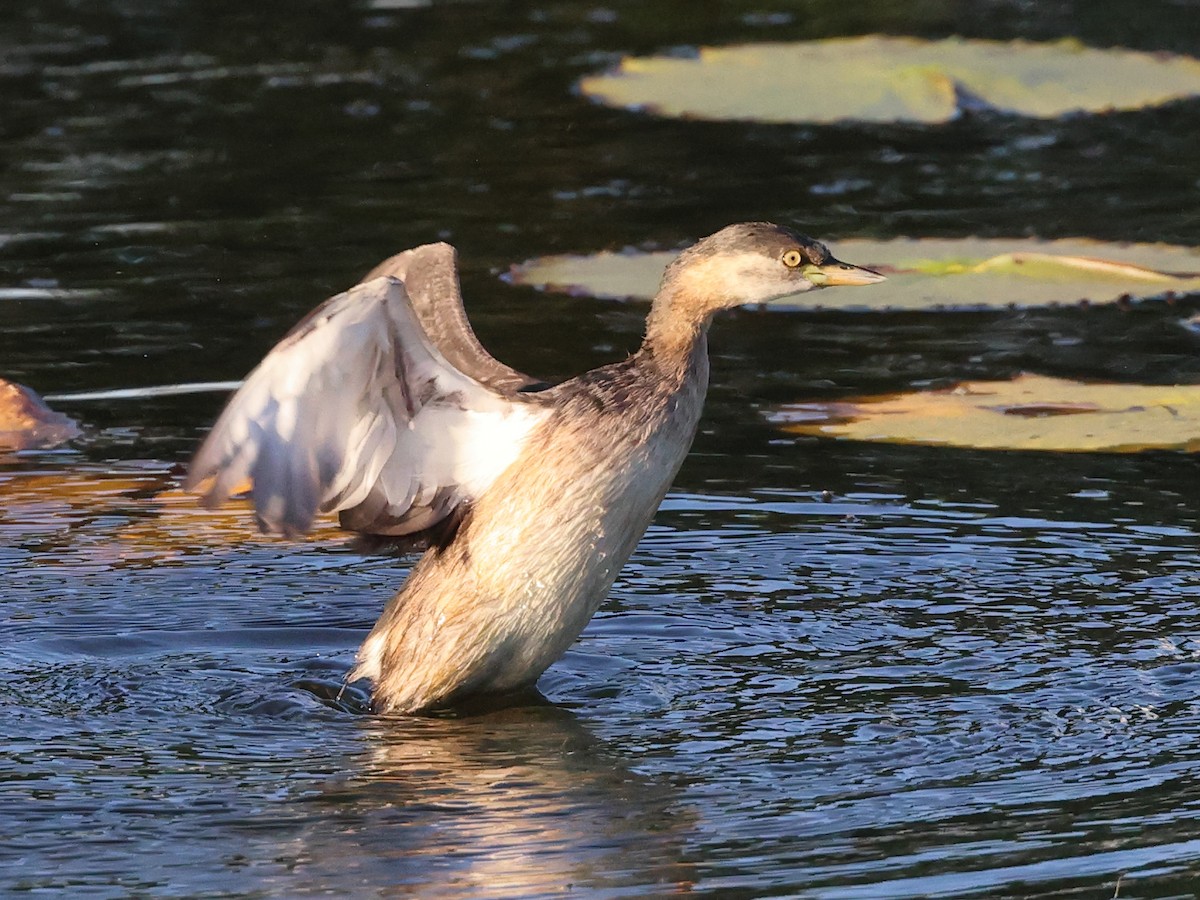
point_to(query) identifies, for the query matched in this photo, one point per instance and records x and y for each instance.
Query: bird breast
(537, 553)
(552, 536)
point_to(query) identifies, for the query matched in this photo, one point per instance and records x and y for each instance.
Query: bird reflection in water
(517, 802)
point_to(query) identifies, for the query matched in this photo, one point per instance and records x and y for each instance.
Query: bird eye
(793, 258)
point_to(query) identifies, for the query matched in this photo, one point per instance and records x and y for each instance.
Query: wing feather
(357, 411)
(430, 274)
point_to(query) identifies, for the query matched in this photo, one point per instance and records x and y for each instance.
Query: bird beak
(836, 272)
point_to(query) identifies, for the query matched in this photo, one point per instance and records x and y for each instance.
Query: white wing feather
(357, 412)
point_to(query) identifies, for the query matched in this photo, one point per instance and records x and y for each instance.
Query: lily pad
(26, 422)
(894, 79)
(923, 274)
(1030, 412)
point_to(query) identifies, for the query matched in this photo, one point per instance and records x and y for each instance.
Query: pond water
(831, 670)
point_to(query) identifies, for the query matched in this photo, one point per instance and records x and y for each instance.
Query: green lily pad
(1031, 412)
(923, 273)
(894, 79)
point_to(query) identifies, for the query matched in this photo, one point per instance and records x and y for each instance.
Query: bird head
(754, 262)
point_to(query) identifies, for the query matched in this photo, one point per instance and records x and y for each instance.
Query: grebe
(382, 406)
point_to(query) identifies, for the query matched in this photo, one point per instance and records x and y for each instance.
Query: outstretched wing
(357, 411)
(430, 275)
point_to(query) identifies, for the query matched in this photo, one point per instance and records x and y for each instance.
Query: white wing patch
(473, 447)
(357, 412)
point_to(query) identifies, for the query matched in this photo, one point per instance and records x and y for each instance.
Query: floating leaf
(27, 423)
(968, 273)
(1031, 412)
(895, 79)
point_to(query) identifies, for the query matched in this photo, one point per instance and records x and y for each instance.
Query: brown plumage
(384, 407)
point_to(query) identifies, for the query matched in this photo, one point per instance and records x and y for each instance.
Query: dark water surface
(831, 670)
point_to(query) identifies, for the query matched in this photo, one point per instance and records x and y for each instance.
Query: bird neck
(674, 336)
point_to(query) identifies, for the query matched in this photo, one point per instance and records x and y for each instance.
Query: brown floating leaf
(1031, 412)
(894, 79)
(924, 273)
(27, 423)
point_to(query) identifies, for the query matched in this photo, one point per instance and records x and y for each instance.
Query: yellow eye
(793, 258)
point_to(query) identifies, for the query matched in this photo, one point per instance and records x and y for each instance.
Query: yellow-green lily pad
(923, 273)
(894, 79)
(1030, 412)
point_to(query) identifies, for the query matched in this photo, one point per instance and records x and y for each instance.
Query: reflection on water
(953, 674)
(522, 802)
(121, 516)
(856, 695)
(1000, 690)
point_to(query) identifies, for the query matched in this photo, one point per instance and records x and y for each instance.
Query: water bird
(382, 406)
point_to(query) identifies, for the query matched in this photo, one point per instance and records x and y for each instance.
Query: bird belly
(532, 562)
